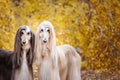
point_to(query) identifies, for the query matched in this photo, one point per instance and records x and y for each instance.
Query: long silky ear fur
(52, 39)
(30, 53)
(52, 45)
(17, 49)
(37, 49)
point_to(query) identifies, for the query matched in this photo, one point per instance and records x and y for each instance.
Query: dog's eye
(28, 33)
(21, 33)
(41, 30)
(48, 30)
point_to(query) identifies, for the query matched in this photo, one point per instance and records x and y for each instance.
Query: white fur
(23, 73)
(28, 29)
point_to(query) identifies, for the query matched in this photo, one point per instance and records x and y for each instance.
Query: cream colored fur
(69, 63)
(55, 62)
(23, 73)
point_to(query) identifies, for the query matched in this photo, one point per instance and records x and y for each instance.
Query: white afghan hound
(55, 62)
(20, 60)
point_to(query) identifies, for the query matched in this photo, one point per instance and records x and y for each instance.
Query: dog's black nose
(24, 42)
(44, 41)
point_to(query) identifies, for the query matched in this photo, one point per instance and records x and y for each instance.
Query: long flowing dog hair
(69, 63)
(14, 59)
(51, 45)
(18, 48)
(18, 52)
(64, 58)
(49, 51)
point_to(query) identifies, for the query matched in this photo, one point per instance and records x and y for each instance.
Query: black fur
(5, 64)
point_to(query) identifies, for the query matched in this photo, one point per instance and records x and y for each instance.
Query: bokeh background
(91, 26)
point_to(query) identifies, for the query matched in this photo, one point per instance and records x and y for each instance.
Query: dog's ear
(37, 48)
(52, 41)
(31, 52)
(17, 49)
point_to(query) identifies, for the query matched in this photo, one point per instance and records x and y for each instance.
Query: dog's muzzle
(24, 42)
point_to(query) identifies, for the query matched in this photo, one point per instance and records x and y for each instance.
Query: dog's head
(46, 32)
(25, 36)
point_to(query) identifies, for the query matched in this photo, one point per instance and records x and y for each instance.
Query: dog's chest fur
(23, 73)
(45, 69)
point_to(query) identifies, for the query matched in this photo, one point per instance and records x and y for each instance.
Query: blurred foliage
(92, 25)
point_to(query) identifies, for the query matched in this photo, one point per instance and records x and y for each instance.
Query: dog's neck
(23, 73)
(25, 50)
(45, 51)
(26, 47)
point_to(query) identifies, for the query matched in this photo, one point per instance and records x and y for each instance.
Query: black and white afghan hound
(55, 62)
(17, 64)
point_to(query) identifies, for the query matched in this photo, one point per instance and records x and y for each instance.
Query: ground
(92, 75)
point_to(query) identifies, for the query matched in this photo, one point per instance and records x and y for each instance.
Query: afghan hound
(20, 60)
(55, 62)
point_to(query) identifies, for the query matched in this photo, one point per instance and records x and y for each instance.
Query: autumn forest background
(91, 26)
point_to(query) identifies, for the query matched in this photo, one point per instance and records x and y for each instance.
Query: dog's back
(5, 64)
